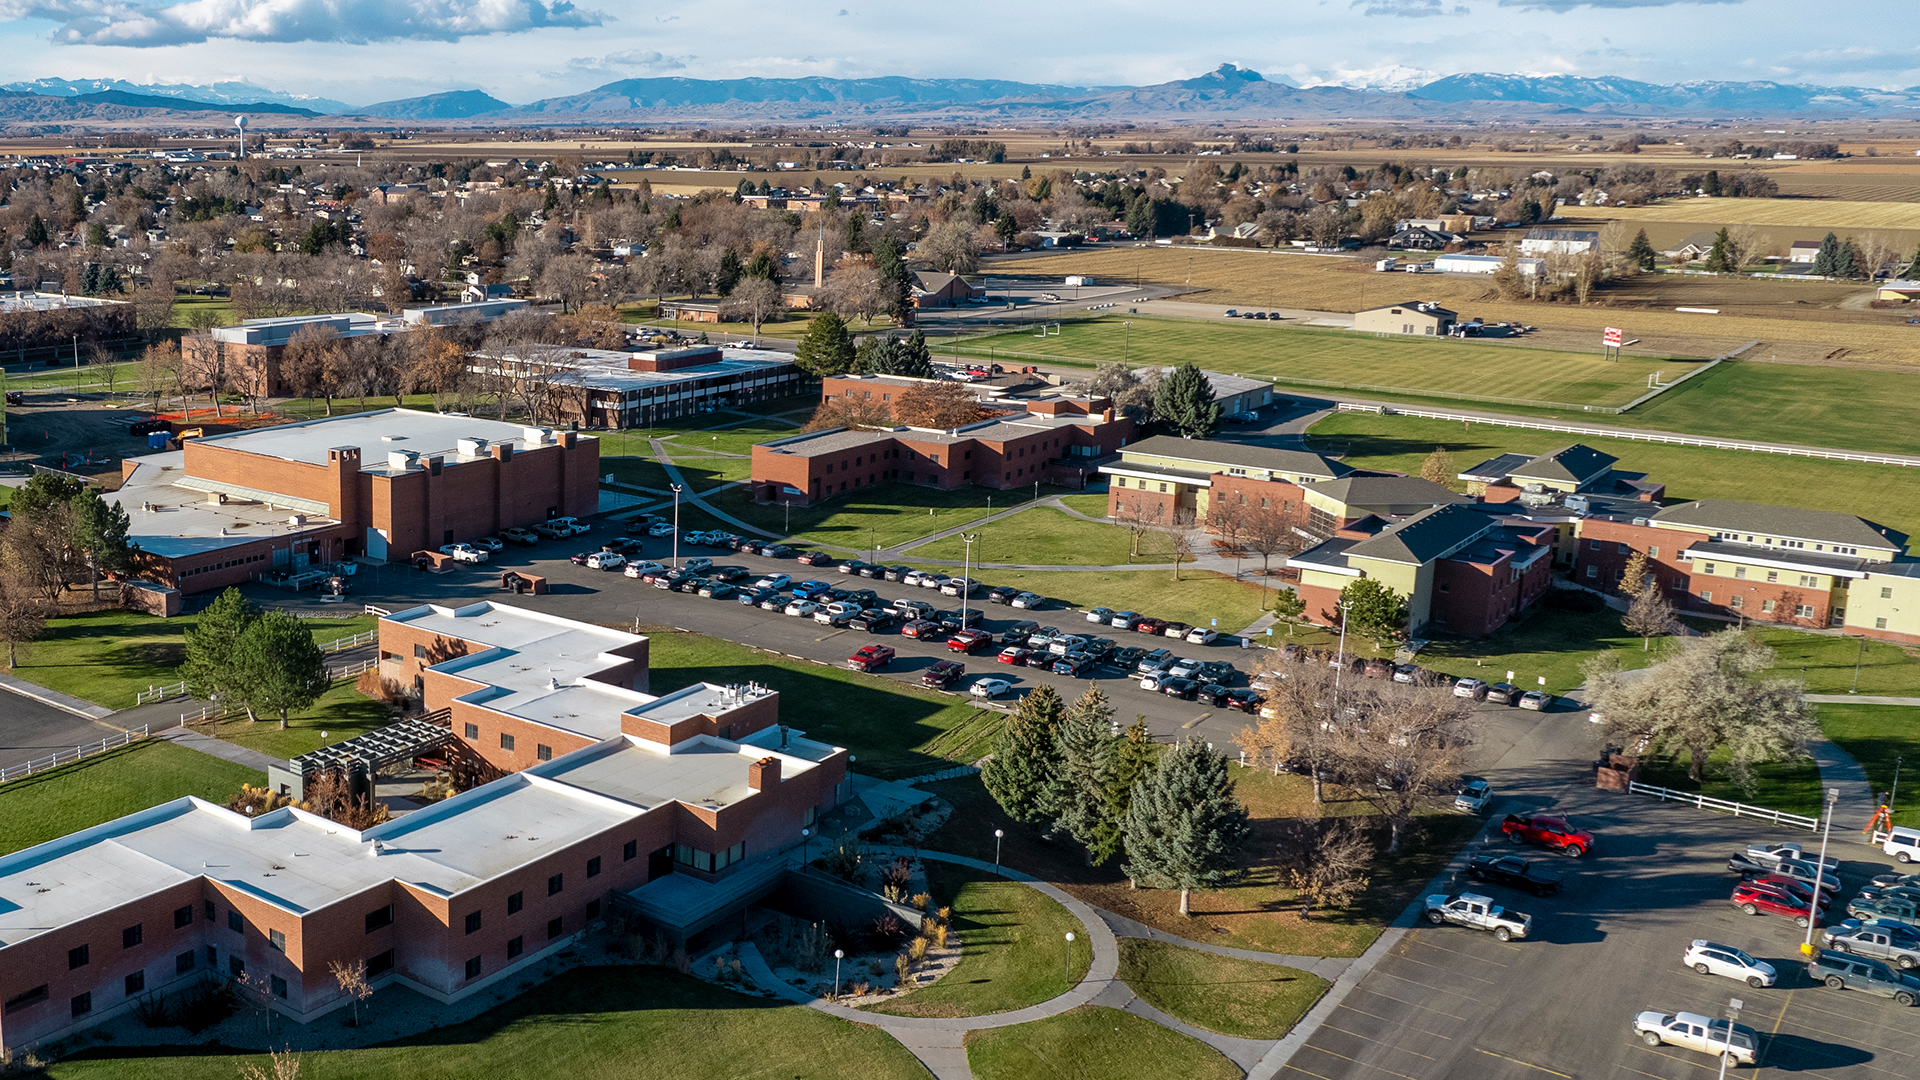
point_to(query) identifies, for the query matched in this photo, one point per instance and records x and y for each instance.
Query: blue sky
(362, 51)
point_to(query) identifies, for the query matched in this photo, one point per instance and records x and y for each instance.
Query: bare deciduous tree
(1401, 746)
(1140, 515)
(353, 982)
(1185, 538)
(1649, 616)
(754, 300)
(1327, 862)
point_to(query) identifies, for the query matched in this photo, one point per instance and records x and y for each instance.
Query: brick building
(229, 508)
(1164, 479)
(610, 389)
(682, 804)
(246, 356)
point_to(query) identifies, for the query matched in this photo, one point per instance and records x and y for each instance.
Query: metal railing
(160, 693)
(364, 637)
(66, 757)
(1778, 817)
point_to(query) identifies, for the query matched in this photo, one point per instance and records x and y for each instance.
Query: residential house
(1559, 242)
(1415, 317)
(932, 289)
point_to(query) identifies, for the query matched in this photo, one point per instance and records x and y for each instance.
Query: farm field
(1794, 320)
(1797, 213)
(1888, 494)
(1442, 366)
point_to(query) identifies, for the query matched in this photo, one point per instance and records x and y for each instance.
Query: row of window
(476, 965)
(1748, 539)
(507, 742)
(1768, 607)
(211, 567)
(135, 983)
(1121, 481)
(709, 860)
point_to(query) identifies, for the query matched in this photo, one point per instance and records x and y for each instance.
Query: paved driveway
(30, 729)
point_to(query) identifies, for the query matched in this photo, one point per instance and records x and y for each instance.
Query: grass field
(599, 1023)
(341, 713)
(1792, 786)
(1198, 596)
(1093, 1043)
(1799, 213)
(1243, 998)
(1045, 536)
(1828, 663)
(882, 515)
(1744, 400)
(1888, 494)
(893, 729)
(1014, 950)
(1439, 366)
(39, 808)
(107, 657)
(1877, 736)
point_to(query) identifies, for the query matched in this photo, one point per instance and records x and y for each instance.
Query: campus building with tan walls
(683, 803)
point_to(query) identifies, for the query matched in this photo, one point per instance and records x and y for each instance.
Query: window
(1163, 489)
(630, 851)
(183, 963)
(135, 983)
(473, 968)
(473, 922)
(1803, 611)
(208, 910)
(1740, 572)
(279, 986)
(472, 731)
(27, 1000)
(1886, 592)
(1593, 571)
(1707, 596)
(1706, 568)
(593, 866)
(380, 965)
(514, 902)
(420, 652)
(236, 967)
(514, 947)
(183, 917)
(1653, 553)
(1809, 581)
(1594, 545)
(1737, 602)
(131, 936)
(277, 940)
(555, 884)
(506, 741)
(213, 956)
(593, 909)
(235, 923)
(82, 1004)
(543, 751)
(78, 957)
(1766, 606)
(1623, 549)
(380, 918)
(553, 929)
(1879, 624)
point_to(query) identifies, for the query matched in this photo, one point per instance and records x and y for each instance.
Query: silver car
(1712, 958)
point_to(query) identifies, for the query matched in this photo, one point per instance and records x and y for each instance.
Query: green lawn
(1045, 536)
(1888, 494)
(341, 713)
(1093, 1043)
(1199, 595)
(1742, 400)
(46, 806)
(108, 657)
(893, 729)
(599, 1023)
(1792, 786)
(1435, 366)
(1092, 504)
(1548, 644)
(733, 435)
(1243, 998)
(885, 514)
(1014, 950)
(1827, 663)
(1877, 735)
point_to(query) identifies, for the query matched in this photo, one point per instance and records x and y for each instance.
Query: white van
(1903, 844)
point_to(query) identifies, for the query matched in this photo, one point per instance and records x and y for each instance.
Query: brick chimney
(764, 773)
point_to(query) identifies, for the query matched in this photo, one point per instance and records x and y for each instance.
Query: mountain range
(1226, 93)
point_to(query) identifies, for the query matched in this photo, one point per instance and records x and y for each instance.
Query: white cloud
(112, 22)
(1408, 9)
(620, 65)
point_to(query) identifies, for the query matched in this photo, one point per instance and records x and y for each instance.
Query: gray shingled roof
(1425, 536)
(1563, 234)
(1385, 490)
(1820, 526)
(1416, 305)
(1572, 464)
(1238, 455)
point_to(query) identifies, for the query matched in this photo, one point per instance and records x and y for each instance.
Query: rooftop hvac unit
(1642, 522)
(297, 520)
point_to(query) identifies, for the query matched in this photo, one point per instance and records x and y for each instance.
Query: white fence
(1778, 817)
(211, 712)
(63, 757)
(364, 637)
(348, 671)
(371, 610)
(160, 693)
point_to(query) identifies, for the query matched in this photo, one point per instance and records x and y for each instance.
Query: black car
(1074, 664)
(1749, 868)
(777, 551)
(1180, 688)
(1018, 633)
(952, 620)
(943, 674)
(1514, 872)
(895, 573)
(732, 575)
(1126, 658)
(873, 621)
(621, 545)
(639, 526)
(854, 566)
(1213, 694)
(1247, 701)
(873, 571)
(692, 584)
(579, 558)
(1002, 594)
(1218, 671)
(864, 597)
(746, 545)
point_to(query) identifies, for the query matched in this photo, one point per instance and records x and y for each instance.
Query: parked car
(989, 688)
(605, 560)
(955, 620)
(1124, 620)
(1799, 890)
(1177, 687)
(807, 590)
(970, 641)
(1502, 694)
(1537, 700)
(1218, 671)
(1514, 872)
(1405, 673)
(1805, 872)
(1474, 795)
(1202, 635)
(915, 578)
(1479, 913)
(579, 558)
(660, 529)
(752, 595)
(1766, 900)
(958, 586)
(1378, 669)
(572, 525)
(1018, 633)
(699, 564)
(920, 628)
(1014, 655)
(1099, 614)
(1150, 625)
(1184, 667)
(774, 581)
(1552, 831)
(776, 551)
(1712, 958)
(1157, 661)
(1002, 594)
(465, 553)
(1126, 658)
(873, 621)
(1062, 644)
(690, 583)
(621, 545)
(814, 558)
(717, 590)
(1898, 909)
(897, 573)
(1152, 681)
(854, 566)
(1039, 639)
(1840, 971)
(1242, 700)
(518, 535)
(1027, 601)
(1772, 854)
(1470, 688)
(942, 675)
(1738, 1043)
(1175, 630)
(492, 543)
(871, 657)
(1896, 943)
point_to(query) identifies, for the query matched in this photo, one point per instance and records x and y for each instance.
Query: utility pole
(676, 523)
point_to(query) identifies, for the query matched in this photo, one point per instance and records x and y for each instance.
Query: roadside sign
(1612, 336)
(1269, 631)
(1509, 676)
(1214, 622)
(1543, 680)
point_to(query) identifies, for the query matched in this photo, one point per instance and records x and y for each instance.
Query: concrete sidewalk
(207, 744)
(64, 702)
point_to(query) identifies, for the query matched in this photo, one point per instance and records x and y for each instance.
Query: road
(30, 729)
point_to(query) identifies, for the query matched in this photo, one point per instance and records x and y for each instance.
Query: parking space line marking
(836, 633)
(1437, 967)
(1411, 1004)
(1356, 1061)
(1631, 1069)
(1681, 1060)
(1517, 1061)
(1377, 1016)
(1456, 952)
(1197, 719)
(1430, 989)
(1378, 1042)
(1308, 1072)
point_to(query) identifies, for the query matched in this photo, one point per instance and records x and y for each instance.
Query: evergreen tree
(100, 534)
(1140, 217)
(278, 666)
(895, 281)
(212, 643)
(1846, 262)
(762, 265)
(1911, 273)
(1373, 609)
(826, 348)
(1711, 186)
(1134, 756)
(728, 275)
(1640, 252)
(907, 357)
(1026, 756)
(36, 232)
(1718, 258)
(856, 231)
(1184, 405)
(1085, 778)
(1185, 829)
(1827, 257)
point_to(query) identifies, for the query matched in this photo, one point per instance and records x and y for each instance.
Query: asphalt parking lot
(30, 730)
(1454, 1002)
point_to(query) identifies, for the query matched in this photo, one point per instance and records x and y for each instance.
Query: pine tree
(826, 348)
(895, 280)
(1080, 787)
(1717, 259)
(1185, 829)
(1184, 404)
(212, 643)
(1846, 262)
(278, 666)
(1640, 252)
(1134, 756)
(1026, 757)
(1912, 272)
(1827, 257)
(728, 275)
(1373, 609)
(36, 232)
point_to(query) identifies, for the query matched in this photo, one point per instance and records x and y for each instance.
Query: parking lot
(1453, 1002)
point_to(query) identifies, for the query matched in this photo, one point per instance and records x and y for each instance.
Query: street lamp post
(997, 835)
(966, 574)
(787, 529)
(1340, 668)
(1067, 972)
(676, 524)
(1734, 1006)
(838, 955)
(1895, 793)
(804, 834)
(1819, 869)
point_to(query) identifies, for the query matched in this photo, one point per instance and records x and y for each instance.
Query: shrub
(893, 883)
(254, 801)
(887, 932)
(206, 1004)
(917, 949)
(875, 968)
(903, 968)
(842, 862)
(154, 1011)
(940, 932)
(380, 688)
(923, 901)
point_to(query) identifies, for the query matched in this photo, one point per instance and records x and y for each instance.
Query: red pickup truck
(1553, 831)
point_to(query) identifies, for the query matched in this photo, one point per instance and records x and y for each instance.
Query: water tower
(240, 126)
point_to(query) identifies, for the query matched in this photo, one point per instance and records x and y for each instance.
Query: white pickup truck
(1772, 854)
(466, 553)
(1737, 1042)
(1479, 913)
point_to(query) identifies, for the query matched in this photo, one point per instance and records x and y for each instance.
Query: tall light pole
(1341, 667)
(1726, 1048)
(1819, 869)
(997, 835)
(804, 834)
(676, 523)
(1891, 795)
(966, 574)
(787, 529)
(1067, 973)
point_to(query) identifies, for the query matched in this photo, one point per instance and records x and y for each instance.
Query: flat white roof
(172, 521)
(701, 771)
(376, 434)
(606, 369)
